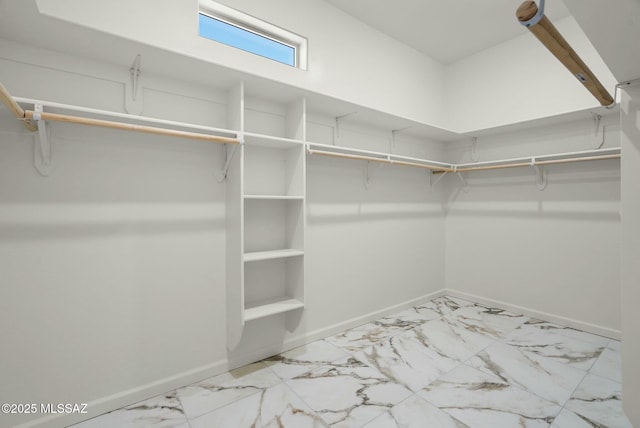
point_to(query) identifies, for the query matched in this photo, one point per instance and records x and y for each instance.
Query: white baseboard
(321, 333)
(130, 396)
(162, 386)
(544, 316)
(124, 398)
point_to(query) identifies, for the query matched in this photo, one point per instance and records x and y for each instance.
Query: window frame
(259, 27)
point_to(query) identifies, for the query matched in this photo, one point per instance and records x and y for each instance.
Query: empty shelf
(274, 254)
(271, 307)
(274, 197)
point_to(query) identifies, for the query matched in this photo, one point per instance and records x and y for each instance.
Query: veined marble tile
(491, 322)
(542, 376)
(598, 399)
(483, 400)
(163, 411)
(609, 365)
(414, 412)
(562, 344)
(568, 419)
(449, 339)
(407, 319)
(443, 305)
(274, 407)
(348, 393)
(304, 359)
(407, 362)
(361, 337)
(568, 332)
(215, 392)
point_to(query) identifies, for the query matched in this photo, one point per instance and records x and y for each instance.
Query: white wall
(630, 143)
(367, 245)
(113, 267)
(619, 48)
(341, 49)
(514, 81)
(554, 253)
(519, 80)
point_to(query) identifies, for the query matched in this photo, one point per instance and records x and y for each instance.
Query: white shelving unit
(267, 191)
(268, 308)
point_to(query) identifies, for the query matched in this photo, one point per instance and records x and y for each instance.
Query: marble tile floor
(445, 363)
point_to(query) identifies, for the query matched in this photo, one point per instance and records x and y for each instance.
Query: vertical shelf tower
(265, 219)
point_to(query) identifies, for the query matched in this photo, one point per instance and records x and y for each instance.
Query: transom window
(234, 28)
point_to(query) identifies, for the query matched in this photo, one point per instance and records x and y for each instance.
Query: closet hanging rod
(29, 114)
(374, 153)
(114, 114)
(566, 155)
(375, 159)
(533, 18)
(539, 163)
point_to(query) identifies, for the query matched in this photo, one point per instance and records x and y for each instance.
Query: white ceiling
(446, 30)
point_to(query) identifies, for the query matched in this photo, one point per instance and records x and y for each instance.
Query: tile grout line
(571, 395)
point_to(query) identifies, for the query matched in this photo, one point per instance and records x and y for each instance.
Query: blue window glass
(249, 41)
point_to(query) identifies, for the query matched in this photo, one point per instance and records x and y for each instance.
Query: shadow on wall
(337, 192)
(588, 191)
(31, 231)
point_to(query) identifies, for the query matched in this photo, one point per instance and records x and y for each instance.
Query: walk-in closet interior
(313, 213)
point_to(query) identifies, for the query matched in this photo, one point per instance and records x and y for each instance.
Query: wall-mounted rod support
(535, 20)
(131, 127)
(135, 72)
(43, 139)
(15, 108)
(228, 160)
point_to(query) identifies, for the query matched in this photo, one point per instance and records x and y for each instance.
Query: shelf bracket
(596, 130)
(336, 129)
(42, 150)
(465, 185)
(228, 158)
(541, 175)
(441, 176)
(133, 98)
(367, 172)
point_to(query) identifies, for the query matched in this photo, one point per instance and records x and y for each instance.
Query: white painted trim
(321, 333)
(133, 395)
(258, 26)
(534, 313)
(130, 396)
(162, 386)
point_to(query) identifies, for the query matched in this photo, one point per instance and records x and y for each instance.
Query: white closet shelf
(271, 141)
(270, 307)
(275, 197)
(273, 254)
